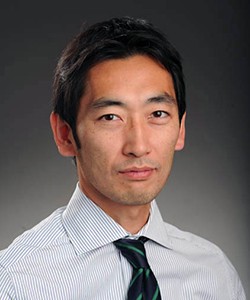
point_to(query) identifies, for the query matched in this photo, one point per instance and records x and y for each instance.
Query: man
(119, 111)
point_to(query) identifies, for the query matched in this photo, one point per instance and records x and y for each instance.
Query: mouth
(137, 174)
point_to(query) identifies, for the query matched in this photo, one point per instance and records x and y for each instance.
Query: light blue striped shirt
(71, 255)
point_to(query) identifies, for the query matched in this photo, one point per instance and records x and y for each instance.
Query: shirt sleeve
(237, 290)
(6, 287)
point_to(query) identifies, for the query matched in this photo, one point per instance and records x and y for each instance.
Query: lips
(135, 173)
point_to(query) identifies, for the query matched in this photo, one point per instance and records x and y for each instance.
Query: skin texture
(129, 129)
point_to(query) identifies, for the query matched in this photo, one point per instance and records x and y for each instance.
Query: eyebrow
(103, 102)
(164, 98)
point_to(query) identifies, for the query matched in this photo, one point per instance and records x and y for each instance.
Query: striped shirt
(71, 255)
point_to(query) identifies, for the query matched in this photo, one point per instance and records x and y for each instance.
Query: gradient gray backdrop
(207, 193)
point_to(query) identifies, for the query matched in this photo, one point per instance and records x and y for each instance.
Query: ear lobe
(62, 135)
(182, 132)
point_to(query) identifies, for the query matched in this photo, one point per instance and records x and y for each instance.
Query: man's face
(128, 127)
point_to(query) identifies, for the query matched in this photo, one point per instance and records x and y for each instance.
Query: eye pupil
(109, 117)
(158, 113)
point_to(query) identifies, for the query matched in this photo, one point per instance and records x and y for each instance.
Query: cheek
(167, 141)
(97, 151)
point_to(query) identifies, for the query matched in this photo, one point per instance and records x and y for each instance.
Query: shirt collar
(89, 227)
(156, 230)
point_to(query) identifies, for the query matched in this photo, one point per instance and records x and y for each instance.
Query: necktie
(143, 284)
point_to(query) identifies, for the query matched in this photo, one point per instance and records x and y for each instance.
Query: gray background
(207, 193)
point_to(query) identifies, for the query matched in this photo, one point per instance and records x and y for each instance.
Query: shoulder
(192, 245)
(206, 255)
(180, 238)
(43, 234)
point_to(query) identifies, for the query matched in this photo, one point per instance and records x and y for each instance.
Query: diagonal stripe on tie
(139, 272)
(143, 284)
(130, 247)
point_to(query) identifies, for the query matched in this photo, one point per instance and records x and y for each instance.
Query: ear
(62, 135)
(182, 132)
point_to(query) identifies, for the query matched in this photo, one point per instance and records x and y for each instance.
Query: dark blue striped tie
(143, 284)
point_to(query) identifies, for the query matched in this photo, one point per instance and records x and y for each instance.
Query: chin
(135, 199)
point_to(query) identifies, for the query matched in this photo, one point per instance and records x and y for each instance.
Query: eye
(109, 117)
(159, 114)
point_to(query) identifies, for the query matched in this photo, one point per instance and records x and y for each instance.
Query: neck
(131, 218)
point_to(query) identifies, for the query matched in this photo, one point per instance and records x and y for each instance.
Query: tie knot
(134, 251)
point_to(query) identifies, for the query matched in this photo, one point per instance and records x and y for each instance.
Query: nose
(136, 140)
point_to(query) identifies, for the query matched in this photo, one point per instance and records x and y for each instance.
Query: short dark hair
(112, 39)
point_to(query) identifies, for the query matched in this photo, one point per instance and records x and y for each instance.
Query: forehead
(135, 78)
